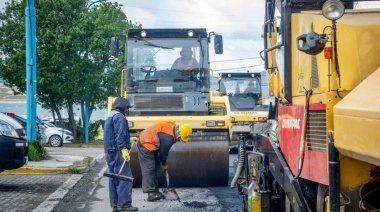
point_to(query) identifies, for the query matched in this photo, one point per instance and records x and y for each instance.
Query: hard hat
(122, 103)
(186, 49)
(185, 132)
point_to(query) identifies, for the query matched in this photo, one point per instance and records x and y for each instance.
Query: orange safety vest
(149, 137)
(189, 65)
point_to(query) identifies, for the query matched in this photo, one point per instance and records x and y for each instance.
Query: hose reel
(312, 43)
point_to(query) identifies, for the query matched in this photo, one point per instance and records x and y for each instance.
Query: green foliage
(73, 47)
(73, 170)
(93, 129)
(78, 166)
(87, 160)
(37, 152)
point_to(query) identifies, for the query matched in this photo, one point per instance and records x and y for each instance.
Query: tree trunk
(60, 119)
(72, 121)
(83, 115)
(54, 120)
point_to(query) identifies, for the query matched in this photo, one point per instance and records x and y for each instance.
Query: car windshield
(167, 65)
(232, 86)
(49, 124)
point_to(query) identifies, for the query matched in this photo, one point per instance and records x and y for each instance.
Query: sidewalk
(62, 159)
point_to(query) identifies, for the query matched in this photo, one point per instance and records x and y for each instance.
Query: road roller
(162, 85)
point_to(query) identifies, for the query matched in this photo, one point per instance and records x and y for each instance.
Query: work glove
(164, 168)
(134, 140)
(125, 154)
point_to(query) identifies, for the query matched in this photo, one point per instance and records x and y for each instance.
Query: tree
(66, 32)
(103, 21)
(12, 44)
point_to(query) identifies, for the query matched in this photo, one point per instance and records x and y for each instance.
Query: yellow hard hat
(185, 132)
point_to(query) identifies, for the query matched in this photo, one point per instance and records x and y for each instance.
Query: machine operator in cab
(186, 61)
(153, 150)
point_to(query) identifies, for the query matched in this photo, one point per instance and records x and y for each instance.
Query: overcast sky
(239, 22)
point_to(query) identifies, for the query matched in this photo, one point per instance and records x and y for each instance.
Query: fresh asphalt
(89, 191)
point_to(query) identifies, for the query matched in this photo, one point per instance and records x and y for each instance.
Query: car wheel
(55, 141)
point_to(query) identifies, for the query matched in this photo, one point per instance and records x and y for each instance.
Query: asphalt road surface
(89, 192)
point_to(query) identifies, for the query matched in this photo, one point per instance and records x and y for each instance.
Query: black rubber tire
(309, 190)
(321, 195)
(55, 141)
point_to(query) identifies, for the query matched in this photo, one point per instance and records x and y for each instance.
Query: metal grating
(314, 72)
(217, 110)
(316, 130)
(158, 102)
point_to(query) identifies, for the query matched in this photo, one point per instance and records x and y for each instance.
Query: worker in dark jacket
(153, 150)
(116, 147)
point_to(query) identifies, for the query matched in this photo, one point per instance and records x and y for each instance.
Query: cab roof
(168, 33)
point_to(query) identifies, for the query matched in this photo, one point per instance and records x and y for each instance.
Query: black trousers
(150, 166)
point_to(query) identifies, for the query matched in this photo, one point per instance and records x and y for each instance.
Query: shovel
(170, 194)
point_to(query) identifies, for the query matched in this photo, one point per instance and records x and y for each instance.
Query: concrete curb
(33, 170)
(76, 145)
(57, 170)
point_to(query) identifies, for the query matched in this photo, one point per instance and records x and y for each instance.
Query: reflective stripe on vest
(151, 146)
(149, 137)
(189, 65)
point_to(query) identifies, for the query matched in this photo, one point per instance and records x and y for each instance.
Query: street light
(86, 113)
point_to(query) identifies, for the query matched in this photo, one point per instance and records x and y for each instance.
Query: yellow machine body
(161, 90)
(344, 90)
(244, 104)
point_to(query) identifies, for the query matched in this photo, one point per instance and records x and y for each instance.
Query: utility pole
(87, 102)
(31, 70)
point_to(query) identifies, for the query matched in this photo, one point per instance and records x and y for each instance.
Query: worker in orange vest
(153, 150)
(186, 61)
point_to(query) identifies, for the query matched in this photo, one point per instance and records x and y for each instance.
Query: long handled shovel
(169, 193)
(119, 176)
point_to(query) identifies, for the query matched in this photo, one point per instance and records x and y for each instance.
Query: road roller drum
(191, 164)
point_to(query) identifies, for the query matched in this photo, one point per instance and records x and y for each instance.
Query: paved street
(89, 191)
(91, 194)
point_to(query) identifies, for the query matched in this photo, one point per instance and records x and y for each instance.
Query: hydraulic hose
(303, 135)
(241, 159)
(362, 200)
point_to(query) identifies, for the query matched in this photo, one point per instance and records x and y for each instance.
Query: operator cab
(241, 85)
(156, 61)
(243, 90)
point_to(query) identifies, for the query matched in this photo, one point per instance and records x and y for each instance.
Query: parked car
(57, 136)
(50, 119)
(13, 144)
(40, 128)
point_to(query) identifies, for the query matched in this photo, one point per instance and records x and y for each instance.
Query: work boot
(154, 196)
(160, 194)
(128, 209)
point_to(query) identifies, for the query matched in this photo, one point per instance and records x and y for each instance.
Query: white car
(22, 120)
(56, 136)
